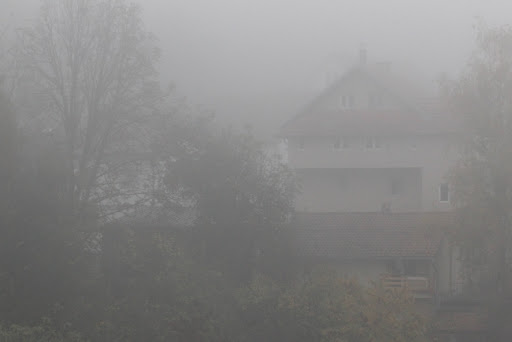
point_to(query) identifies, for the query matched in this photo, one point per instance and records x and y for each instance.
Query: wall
(335, 190)
(322, 191)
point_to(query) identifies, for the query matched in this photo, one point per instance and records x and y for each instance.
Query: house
(372, 141)
(372, 153)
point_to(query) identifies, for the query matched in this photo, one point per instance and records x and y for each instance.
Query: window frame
(343, 101)
(440, 189)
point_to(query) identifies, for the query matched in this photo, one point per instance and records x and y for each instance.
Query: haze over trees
(123, 219)
(94, 65)
(482, 180)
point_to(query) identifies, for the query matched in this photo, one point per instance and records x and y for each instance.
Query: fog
(258, 62)
(367, 202)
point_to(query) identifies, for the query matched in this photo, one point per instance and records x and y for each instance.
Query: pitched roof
(347, 236)
(420, 113)
(357, 122)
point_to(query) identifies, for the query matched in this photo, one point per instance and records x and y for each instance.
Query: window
(343, 101)
(301, 143)
(372, 143)
(444, 193)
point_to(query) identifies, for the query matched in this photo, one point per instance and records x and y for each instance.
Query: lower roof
(349, 236)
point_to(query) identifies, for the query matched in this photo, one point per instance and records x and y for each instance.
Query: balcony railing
(415, 284)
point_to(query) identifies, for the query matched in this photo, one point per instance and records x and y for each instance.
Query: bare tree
(94, 64)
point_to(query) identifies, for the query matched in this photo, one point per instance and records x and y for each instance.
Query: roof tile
(370, 235)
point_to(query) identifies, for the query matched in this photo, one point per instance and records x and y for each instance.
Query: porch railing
(415, 284)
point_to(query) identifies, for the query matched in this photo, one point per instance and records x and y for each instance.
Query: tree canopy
(482, 179)
(122, 222)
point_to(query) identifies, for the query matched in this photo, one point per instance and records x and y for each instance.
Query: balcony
(421, 287)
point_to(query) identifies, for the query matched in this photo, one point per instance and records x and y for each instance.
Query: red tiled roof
(418, 114)
(370, 235)
(370, 122)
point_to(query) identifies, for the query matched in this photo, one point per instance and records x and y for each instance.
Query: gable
(370, 96)
(358, 89)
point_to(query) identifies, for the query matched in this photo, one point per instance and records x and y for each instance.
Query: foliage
(325, 307)
(154, 291)
(8, 141)
(150, 282)
(482, 180)
(241, 194)
(40, 252)
(88, 70)
(39, 333)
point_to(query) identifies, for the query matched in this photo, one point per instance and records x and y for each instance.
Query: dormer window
(301, 144)
(343, 101)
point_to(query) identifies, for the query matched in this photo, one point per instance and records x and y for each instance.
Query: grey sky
(253, 60)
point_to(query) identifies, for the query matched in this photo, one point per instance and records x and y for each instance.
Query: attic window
(343, 101)
(301, 144)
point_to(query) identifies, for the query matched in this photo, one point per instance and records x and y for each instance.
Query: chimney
(362, 55)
